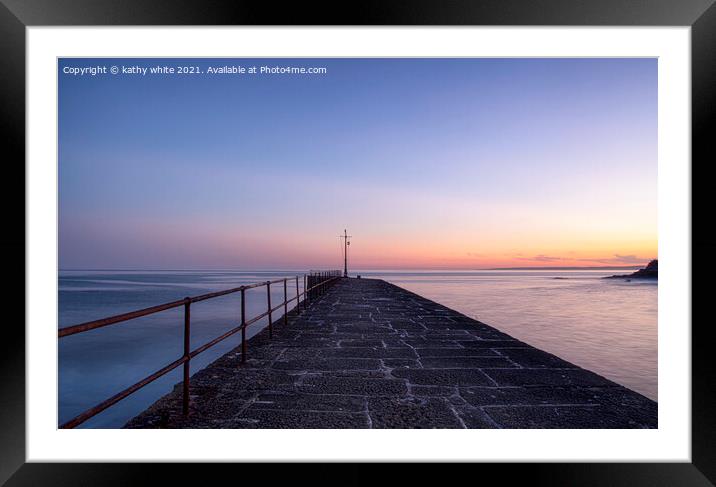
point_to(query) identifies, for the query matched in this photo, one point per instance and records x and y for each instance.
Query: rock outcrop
(651, 271)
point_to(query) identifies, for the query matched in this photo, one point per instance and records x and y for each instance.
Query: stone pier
(369, 354)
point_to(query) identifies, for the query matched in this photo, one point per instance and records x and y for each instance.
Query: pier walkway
(368, 354)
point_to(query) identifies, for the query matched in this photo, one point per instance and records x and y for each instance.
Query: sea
(608, 326)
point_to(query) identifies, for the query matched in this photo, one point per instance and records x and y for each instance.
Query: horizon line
(632, 266)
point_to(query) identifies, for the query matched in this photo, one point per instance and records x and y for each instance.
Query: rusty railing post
(285, 301)
(298, 297)
(187, 358)
(243, 325)
(305, 294)
(268, 293)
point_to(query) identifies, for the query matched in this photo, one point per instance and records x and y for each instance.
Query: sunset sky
(429, 163)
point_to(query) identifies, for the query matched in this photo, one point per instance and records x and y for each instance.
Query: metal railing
(314, 285)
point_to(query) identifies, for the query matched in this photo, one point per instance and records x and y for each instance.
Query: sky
(429, 163)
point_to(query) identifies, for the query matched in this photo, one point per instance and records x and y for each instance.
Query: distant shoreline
(587, 268)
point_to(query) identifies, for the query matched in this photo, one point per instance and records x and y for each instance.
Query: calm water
(607, 326)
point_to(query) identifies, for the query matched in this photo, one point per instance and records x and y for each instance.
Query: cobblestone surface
(369, 354)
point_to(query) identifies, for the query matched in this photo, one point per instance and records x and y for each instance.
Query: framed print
(424, 233)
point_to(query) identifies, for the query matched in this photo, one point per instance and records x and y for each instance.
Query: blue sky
(460, 163)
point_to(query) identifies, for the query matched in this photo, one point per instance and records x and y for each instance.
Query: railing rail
(314, 285)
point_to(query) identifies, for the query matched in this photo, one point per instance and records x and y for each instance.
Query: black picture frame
(16, 15)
